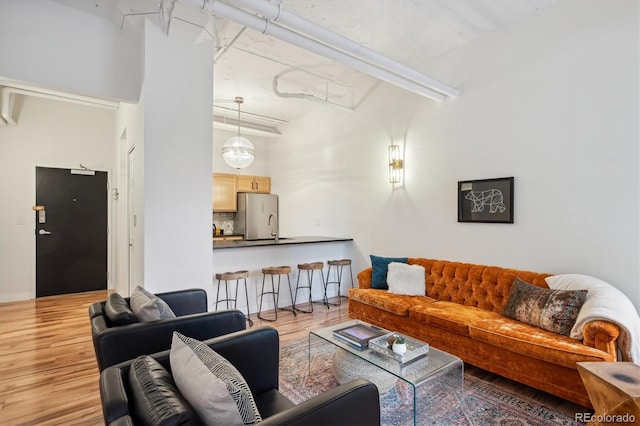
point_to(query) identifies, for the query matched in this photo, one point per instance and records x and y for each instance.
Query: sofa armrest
(364, 278)
(602, 335)
(122, 421)
(186, 302)
(96, 309)
(354, 403)
(255, 354)
(113, 393)
(181, 302)
(117, 344)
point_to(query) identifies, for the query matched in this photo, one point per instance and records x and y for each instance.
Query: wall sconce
(395, 164)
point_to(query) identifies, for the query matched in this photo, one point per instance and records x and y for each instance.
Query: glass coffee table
(380, 368)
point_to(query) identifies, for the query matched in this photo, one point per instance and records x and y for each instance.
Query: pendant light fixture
(237, 151)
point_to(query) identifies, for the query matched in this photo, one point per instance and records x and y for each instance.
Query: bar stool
(275, 290)
(310, 268)
(226, 277)
(339, 266)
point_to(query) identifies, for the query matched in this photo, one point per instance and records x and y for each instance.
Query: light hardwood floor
(49, 375)
(48, 370)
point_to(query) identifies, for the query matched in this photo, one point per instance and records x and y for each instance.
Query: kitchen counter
(253, 256)
(283, 241)
(222, 237)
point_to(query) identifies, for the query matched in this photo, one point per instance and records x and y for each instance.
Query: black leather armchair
(255, 353)
(114, 344)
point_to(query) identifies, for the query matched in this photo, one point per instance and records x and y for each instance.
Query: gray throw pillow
(212, 385)
(148, 306)
(551, 310)
(155, 397)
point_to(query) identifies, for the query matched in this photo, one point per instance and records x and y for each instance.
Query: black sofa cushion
(156, 399)
(117, 310)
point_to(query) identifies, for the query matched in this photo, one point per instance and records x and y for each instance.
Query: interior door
(132, 218)
(71, 231)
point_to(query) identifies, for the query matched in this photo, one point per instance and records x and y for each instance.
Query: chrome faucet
(274, 233)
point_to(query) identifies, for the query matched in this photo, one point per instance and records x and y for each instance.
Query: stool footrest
(237, 276)
(275, 290)
(339, 268)
(310, 268)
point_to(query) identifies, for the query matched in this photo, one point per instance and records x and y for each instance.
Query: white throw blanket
(604, 302)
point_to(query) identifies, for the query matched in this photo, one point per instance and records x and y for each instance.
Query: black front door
(71, 231)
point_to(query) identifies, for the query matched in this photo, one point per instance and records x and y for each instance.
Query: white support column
(178, 103)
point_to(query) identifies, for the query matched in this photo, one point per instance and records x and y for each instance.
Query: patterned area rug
(477, 403)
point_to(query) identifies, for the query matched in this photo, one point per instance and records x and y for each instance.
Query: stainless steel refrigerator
(257, 216)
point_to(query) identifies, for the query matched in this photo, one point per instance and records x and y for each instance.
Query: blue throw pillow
(380, 267)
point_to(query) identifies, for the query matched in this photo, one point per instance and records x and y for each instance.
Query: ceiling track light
(226, 123)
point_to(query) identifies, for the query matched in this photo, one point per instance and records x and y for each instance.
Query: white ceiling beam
(266, 27)
(10, 88)
(247, 128)
(276, 13)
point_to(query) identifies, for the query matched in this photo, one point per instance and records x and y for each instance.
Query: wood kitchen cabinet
(261, 184)
(224, 193)
(227, 186)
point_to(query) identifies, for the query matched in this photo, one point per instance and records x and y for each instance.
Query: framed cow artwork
(486, 200)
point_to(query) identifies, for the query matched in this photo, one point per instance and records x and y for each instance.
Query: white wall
(45, 43)
(54, 46)
(172, 135)
(551, 100)
(50, 134)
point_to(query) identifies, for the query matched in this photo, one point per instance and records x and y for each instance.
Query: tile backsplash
(224, 221)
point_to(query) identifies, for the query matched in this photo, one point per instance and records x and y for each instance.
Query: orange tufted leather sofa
(460, 314)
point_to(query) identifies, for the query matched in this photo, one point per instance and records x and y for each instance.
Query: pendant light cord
(239, 101)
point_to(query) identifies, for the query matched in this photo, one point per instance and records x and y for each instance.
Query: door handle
(43, 232)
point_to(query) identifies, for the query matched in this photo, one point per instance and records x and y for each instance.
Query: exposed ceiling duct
(331, 89)
(307, 96)
(309, 36)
